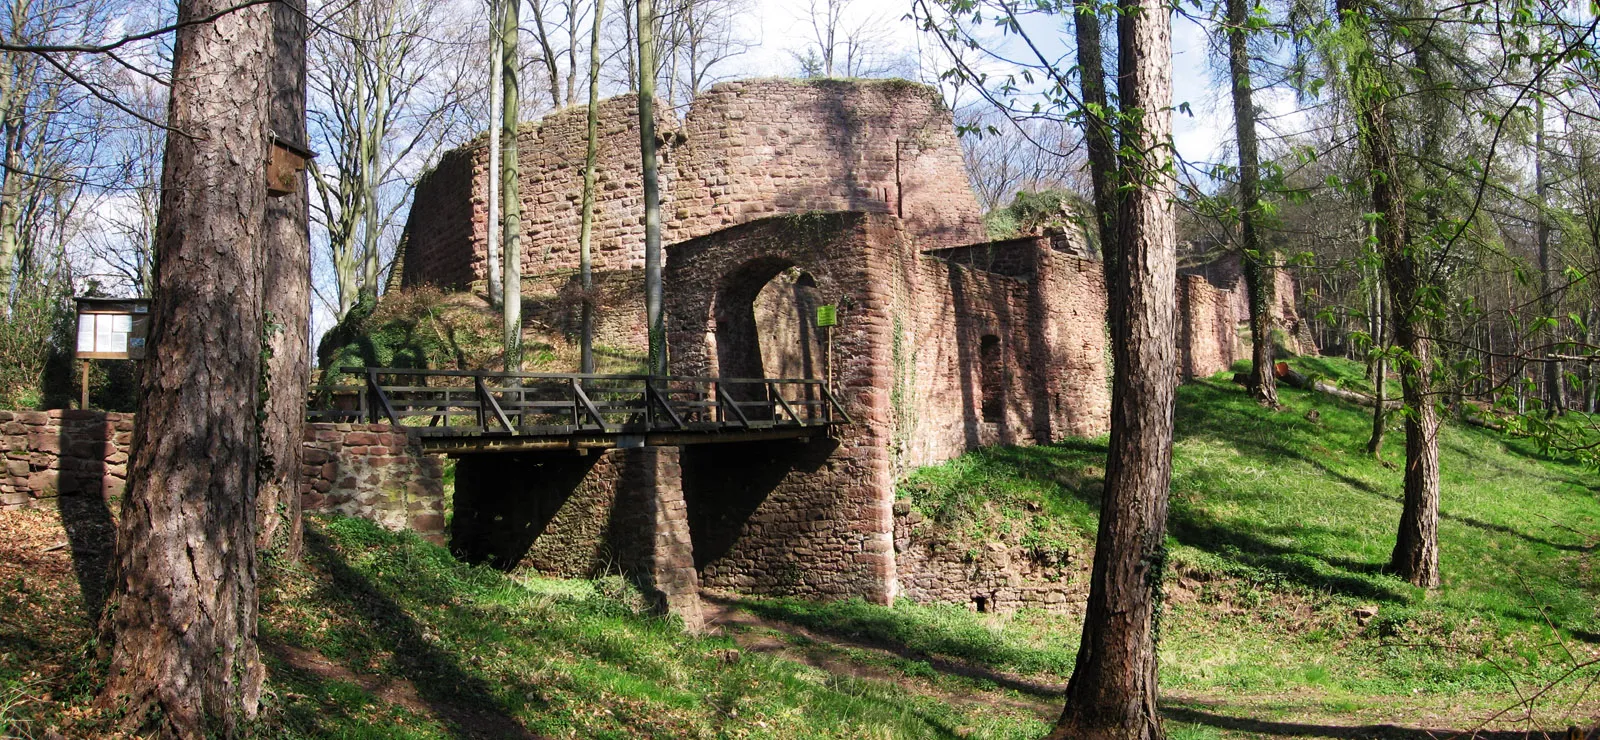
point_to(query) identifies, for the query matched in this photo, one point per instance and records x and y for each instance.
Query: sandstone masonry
(375, 472)
(367, 470)
(779, 197)
(746, 150)
(62, 452)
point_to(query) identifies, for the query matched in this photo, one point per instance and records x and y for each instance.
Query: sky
(781, 29)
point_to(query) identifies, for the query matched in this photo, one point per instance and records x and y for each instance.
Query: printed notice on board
(86, 332)
(109, 335)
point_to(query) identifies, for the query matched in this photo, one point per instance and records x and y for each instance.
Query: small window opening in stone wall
(981, 603)
(991, 372)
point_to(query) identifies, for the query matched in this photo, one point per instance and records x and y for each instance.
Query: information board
(112, 328)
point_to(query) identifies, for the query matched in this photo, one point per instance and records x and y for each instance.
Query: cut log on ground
(1290, 377)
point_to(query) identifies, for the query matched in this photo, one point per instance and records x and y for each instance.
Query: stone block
(44, 442)
(44, 482)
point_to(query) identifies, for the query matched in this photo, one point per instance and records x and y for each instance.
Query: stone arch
(776, 517)
(737, 332)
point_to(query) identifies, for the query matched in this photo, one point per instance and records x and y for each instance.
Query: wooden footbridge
(479, 411)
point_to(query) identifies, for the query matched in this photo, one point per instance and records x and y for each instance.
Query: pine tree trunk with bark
(180, 625)
(1260, 270)
(286, 250)
(1113, 690)
(1416, 550)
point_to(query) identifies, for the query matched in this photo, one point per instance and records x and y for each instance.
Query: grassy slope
(563, 659)
(1279, 528)
(1281, 525)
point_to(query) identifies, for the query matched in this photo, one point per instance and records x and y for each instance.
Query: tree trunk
(1380, 371)
(286, 250)
(1380, 380)
(181, 622)
(551, 67)
(510, 190)
(654, 319)
(492, 238)
(586, 226)
(1260, 269)
(1098, 134)
(1416, 547)
(373, 162)
(1416, 551)
(8, 246)
(572, 52)
(1555, 390)
(1113, 690)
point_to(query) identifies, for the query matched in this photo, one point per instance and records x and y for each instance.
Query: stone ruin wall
(817, 520)
(746, 150)
(1208, 338)
(760, 148)
(62, 453)
(810, 519)
(365, 470)
(1046, 312)
(581, 515)
(375, 472)
(1227, 273)
(1000, 576)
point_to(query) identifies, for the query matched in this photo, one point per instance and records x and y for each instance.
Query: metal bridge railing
(472, 403)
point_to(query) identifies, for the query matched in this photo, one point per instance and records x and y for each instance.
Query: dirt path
(757, 634)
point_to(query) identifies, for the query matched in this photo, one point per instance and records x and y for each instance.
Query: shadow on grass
(457, 698)
(1210, 717)
(858, 625)
(1194, 526)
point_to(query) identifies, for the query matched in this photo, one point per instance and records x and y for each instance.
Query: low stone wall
(1001, 576)
(51, 453)
(374, 472)
(365, 470)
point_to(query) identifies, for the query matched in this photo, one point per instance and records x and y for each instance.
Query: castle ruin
(780, 196)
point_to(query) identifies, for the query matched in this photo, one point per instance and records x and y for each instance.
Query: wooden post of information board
(83, 401)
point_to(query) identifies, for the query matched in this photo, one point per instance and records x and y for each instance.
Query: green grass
(1287, 523)
(563, 659)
